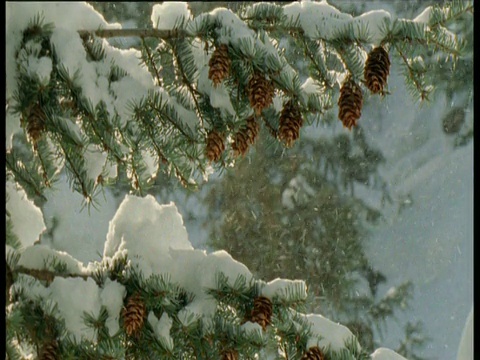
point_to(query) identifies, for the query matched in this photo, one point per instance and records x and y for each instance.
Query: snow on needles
(23, 211)
(319, 19)
(156, 242)
(167, 15)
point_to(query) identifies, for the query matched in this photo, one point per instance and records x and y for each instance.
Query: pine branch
(193, 92)
(141, 33)
(152, 62)
(423, 93)
(46, 275)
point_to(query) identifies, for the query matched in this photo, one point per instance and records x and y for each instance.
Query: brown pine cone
(134, 315)
(215, 146)
(350, 103)
(230, 355)
(260, 92)
(290, 123)
(313, 353)
(49, 351)
(219, 65)
(35, 123)
(377, 68)
(262, 311)
(245, 137)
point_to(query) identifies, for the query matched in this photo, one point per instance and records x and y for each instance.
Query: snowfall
(429, 242)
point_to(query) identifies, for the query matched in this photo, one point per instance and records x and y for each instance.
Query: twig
(141, 33)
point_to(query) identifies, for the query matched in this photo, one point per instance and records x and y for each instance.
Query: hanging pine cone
(230, 355)
(134, 315)
(313, 353)
(245, 137)
(290, 123)
(219, 65)
(350, 103)
(215, 145)
(377, 68)
(262, 311)
(35, 123)
(49, 351)
(260, 92)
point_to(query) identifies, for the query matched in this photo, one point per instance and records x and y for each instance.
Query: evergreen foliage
(169, 124)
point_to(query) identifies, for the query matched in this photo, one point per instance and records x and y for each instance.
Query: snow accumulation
(169, 14)
(327, 333)
(321, 20)
(386, 354)
(162, 327)
(23, 211)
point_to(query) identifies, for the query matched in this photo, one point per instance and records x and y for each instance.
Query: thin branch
(412, 74)
(47, 275)
(189, 85)
(141, 33)
(150, 58)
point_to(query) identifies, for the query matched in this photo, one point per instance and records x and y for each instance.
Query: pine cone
(262, 311)
(49, 351)
(350, 103)
(215, 145)
(245, 137)
(35, 123)
(134, 315)
(377, 68)
(260, 92)
(219, 65)
(313, 353)
(230, 355)
(290, 123)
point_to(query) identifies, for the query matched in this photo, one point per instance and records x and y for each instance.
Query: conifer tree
(78, 104)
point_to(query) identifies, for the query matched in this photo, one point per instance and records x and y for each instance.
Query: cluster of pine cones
(350, 102)
(260, 91)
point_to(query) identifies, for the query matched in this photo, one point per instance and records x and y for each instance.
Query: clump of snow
(327, 333)
(320, 19)
(95, 160)
(12, 126)
(42, 67)
(41, 256)
(283, 288)
(162, 327)
(156, 242)
(74, 297)
(424, 16)
(86, 239)
(252, 328)
(70, 16)
(386, 354)
(111, 296)
(22, 212)
(169, 14)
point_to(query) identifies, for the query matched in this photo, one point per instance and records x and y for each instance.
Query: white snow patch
(424, 16)
(319, 19)
(74, 297)
(22, 212)
(162, 330)
(169, 14)
(282, 288)
(41, 257)
(327, 333)
(386, 354)
(111, 296)
(86, 239)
